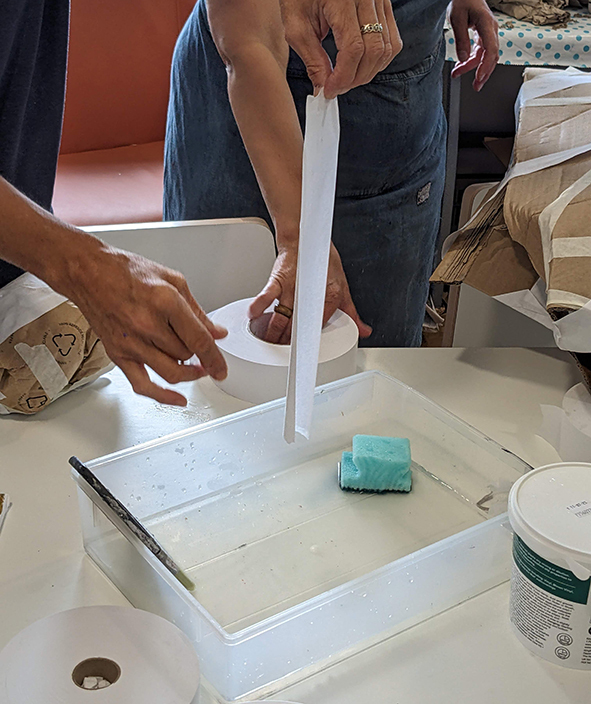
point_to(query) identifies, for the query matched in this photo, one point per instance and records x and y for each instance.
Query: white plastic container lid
(550, 510)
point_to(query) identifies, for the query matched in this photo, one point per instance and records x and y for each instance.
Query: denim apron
(390, 173)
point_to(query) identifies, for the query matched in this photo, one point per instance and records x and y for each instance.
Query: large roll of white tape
(124, 654)
(257, 370)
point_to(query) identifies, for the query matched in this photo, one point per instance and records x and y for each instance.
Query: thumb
(271, 292)
(330, 308)
(349, 308)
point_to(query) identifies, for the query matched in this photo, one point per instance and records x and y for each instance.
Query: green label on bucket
(548, 576)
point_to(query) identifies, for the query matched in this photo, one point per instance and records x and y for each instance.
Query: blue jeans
(390, 174)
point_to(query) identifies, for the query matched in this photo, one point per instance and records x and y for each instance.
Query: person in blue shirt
(144, 313)
(234, 139)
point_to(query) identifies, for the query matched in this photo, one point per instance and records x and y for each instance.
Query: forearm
(34, 240)
(271, 132)
(250, 38)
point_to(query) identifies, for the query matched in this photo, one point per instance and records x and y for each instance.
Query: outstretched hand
(145, 315)
(281, 287)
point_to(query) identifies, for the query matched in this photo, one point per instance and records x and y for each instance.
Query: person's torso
(420, 24)
(33, 56)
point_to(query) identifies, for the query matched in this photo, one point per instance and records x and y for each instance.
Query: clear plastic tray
(292, 572)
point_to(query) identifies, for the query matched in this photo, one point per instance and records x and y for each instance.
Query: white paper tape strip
(551, 102)
(319, 175)
(523, 168)
(567, 299)
(529, 302)
(571, 333)
(531, 166)
(549, 216)
(565, 247)
(533, 90)
(44, 367)
(548, 83)
(23, 300)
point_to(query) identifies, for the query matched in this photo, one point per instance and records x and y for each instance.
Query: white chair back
(222, 260)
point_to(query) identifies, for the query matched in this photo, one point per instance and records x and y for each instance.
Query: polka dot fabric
(525, 44)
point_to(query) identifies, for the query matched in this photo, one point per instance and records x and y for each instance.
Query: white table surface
(464, 655)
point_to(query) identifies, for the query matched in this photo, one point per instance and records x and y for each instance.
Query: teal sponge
(377, 464)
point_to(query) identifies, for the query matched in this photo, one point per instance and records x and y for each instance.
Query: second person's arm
(250, 38)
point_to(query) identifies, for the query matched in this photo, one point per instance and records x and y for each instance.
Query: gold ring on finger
(369, 28)
(283, 310)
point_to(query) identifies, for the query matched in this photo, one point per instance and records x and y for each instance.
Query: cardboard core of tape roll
(101, 668)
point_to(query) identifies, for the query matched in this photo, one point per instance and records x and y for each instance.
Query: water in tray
(291, 535)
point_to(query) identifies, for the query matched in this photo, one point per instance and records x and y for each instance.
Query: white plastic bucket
(550, 512)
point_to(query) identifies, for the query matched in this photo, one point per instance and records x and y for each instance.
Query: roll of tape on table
(125, 654)
(257, 370)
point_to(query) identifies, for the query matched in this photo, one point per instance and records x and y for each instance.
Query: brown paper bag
(503, 249)
(48, 357)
